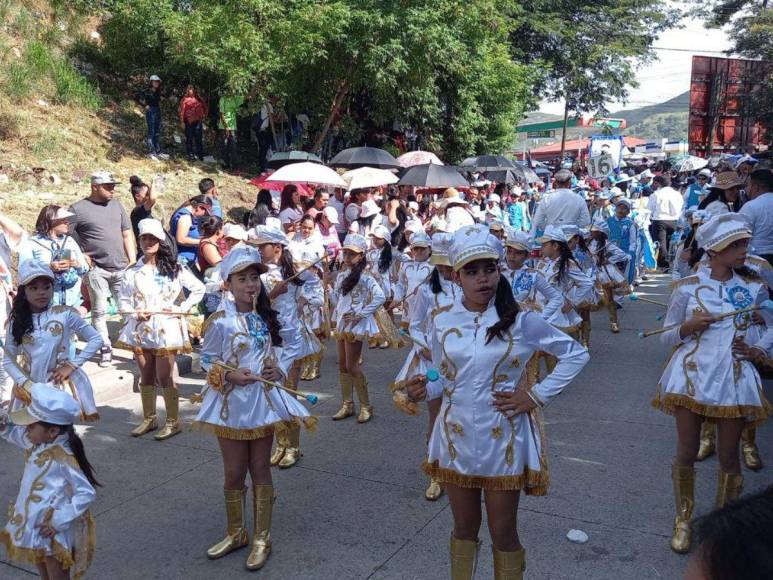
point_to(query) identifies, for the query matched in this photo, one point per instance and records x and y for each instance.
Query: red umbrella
(260, 182)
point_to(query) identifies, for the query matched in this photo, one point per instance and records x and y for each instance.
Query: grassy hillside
(61, 118)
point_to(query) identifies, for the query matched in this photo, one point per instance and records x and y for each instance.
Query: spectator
(337, 203)
(184, 226)
(759, 210)
(150, 100)
(665, 206)
(207, 187)
(308, 240)
(327, 223)
(724, 194)
(210, 251)
(144, 200)
(698, 190)
(228, 106)
(290, 208)
(52, 245)
(103, 230)
(264, 207)
(562, 207)
(352, 210)
(321, 199)
(744, 167)
(193, 111)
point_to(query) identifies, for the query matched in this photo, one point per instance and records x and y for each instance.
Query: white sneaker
(153, 157)
(163, 156)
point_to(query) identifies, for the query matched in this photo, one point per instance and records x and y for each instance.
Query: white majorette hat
(355, 243)
(570, 230)
(600, 226)
(552, 233)
(240, 258)
(441, 246)
(474, 243)
(722, 230)
(517, 240)
(152, 227)
(31, 269)
(235, 232)
(268, 235)
(50, 405)
(496, 225)
(381, 231)
(420, 240)
(369, 208)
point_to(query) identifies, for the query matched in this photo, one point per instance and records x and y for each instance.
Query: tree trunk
(563, 131)
(334, 108)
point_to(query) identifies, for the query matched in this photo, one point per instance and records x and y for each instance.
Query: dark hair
(366, 222)
(166, 262)
(582, 244)
(564, 260)
(210, 225)
(663, 180)
(601, 255)
(385, 259)
(288, 268)
(21, 316)
(716, 194)
(696, 253)
(269, 316)
(308, 203)
(736, 540)
(763, 177)
(206, 184)
(136, 184)
(264, 197)
(200, 199)
(434, 281)
(78, 451)
(353, 278)
(45, 219)
(507, 309)
(286, 199)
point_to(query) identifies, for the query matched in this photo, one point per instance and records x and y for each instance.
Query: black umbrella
(526, 173)
(434, 176)
(282, 158)
(502, 176)
(487, 163)
(364, 157)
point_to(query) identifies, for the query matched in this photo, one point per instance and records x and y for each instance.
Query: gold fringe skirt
(235, 434)
(530, 482)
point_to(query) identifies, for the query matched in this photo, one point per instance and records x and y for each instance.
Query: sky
(669, 75)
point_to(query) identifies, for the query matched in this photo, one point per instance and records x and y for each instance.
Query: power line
(671, 49)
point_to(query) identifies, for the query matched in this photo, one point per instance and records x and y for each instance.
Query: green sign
(541, 134)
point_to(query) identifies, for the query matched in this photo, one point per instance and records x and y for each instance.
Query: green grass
(17, 82)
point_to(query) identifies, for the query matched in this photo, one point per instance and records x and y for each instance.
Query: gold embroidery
(55, 327)
(44, 461)
(496, 433)
(497, 378)
(447, 366)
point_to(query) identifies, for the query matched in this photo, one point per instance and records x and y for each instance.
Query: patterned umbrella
(418, 158)
(365, 177)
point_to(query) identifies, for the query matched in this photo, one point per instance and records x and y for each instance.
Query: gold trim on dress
(530, 482)
(670, 401)
(310, 423)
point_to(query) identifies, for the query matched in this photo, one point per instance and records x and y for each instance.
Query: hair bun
(136, 180)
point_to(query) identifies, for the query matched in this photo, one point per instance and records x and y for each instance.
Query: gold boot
(509, 565)
(434, 491)
(585, 333)
(347, 408)
(172, 425)
(708, 440)
(293, 452)
(366, 409)
(464, 558)
(149, 423)
(684, 484)
(751, 455)
(281, 445)
(237, 536)
(728, 488)
(262, 506)
(613, 322)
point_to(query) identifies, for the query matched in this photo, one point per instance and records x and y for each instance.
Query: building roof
(575, 144)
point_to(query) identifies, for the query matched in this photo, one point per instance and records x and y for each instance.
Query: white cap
(600, 226)
(381, 231)
(31, 269)
(154, 78)
(267, 235)
(615, 192)
(493, 197)
(152, 227)
(705, 173)
(625, 201)
(472, 243)
(441, 246)
(50, 405)
(517, 239)
(369, 208)
(552, 233)
(235, 232)
(355, 243)
(62, 214)
(331, 214)
(722, 230)
(414, 226)
(646, 173)
(414, 205)
(240, 258)
(420, 240)
(103, 178)
(746, 159)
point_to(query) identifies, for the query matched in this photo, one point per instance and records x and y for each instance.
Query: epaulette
(210, 319)
(758, 262)
(61, 308)
(685, 281)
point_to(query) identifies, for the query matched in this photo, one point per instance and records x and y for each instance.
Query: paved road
(353, 508)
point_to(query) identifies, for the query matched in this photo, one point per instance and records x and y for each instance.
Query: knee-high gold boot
(293, 451)
(509, 565)
(751, 455)
(612, 308)
(172, 425)
(366, 409)
(149, 423)
(464, 558)
(585, 333)
(237, 536)
(684, 485)
(728, 488)
(708, 441)
(347, 406)
(262, 507)
(281, 444)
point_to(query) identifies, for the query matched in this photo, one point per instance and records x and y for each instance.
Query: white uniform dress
(362, 302)
(575, 286)
(472, 444)
(608, 275)
(144, 288)
(242, 340)
(47, 347)
(527, 284)
(412, 275)
(387, 280)
(702, 375)
(53, 490)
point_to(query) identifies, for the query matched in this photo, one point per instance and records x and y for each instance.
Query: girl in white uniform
(155, 329)
(243, 344)
(37, 345)
(356, 296)
(384, 266)
(489, 435)
(412, 274)
(608, 258)
(576, 240)
(50, 524)
(710, 373)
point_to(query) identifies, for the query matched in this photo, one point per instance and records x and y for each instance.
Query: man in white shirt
(561, 206)
(759, 210)
(665, 205)
(337, 202)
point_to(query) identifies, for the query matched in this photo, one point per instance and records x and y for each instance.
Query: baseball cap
(331, 214)
(155, 78)
(103, 178)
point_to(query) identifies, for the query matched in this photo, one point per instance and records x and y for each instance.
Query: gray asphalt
(354, 507)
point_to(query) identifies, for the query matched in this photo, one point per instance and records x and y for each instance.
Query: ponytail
(602, 253)
(269, 316)
(582, 244)
(434, 281)
(385, 260)
(507, 309)
(288, 268)
(353, 278)
(76, 445)
(21, 316)
(563, 260)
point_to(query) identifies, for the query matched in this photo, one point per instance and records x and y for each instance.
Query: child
(356, 296)
(241, 347)
(610, 261)
(37, 345)
(50, 525)
(623, 233)
(384, 267)
(530, 288)
(576, 239)
(155, 330)
(412, 274)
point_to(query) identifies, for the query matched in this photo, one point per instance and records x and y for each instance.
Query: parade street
(354, 507)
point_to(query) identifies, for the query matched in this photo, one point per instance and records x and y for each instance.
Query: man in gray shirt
(759, 211)
(103, 229)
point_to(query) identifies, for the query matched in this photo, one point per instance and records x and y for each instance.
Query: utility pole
(563, 131)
